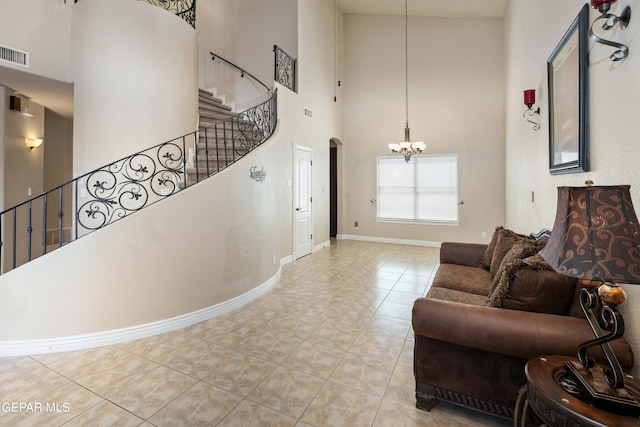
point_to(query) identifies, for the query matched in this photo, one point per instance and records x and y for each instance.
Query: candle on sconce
(529, 97)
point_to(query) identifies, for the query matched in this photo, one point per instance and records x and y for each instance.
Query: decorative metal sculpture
(258, 175)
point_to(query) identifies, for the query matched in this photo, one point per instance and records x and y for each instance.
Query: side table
(553, 406)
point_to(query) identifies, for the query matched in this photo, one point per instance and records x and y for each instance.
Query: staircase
(212, 109)
(109, 193)
(223, 137)
(98, 198)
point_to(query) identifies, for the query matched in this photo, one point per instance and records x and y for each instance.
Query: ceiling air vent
(308, 113)
(14, 56)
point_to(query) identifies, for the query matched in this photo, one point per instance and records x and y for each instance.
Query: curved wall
(136, 86)
(154, 265)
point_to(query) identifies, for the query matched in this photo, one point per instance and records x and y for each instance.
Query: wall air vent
(13, 56)
(308, 113)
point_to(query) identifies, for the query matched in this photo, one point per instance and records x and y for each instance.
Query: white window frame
(414, 220)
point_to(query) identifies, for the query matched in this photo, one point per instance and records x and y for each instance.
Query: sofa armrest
(470, 254)
(515, 333)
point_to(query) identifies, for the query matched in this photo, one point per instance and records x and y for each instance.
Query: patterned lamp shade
(596, 235)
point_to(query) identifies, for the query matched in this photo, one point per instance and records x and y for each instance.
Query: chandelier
(407, 148)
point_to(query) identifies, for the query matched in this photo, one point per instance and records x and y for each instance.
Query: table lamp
(596, 238)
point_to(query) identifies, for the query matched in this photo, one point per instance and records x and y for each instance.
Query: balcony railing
(285, 68)
(185, 9)
(105, 195)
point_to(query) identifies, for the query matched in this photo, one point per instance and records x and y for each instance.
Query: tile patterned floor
(330, 345)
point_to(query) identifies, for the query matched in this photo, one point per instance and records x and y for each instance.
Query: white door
(302, 228)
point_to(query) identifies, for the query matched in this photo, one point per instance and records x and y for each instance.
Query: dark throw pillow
(530, 284)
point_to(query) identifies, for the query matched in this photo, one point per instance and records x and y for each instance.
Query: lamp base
(594, 389)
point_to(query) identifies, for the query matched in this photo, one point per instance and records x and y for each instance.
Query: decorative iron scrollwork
(128, 185)
(185, 9)
(285, 69)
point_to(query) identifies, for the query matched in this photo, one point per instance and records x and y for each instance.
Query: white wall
(135, 87)
(533, 33)
(316, 63)
(42, 28)
(455, 106)
(243, 32)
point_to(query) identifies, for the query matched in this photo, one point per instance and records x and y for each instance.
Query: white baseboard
(321, 246)
(389, 240)
(79, 342)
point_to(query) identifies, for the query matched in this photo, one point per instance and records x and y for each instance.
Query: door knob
(298, 209)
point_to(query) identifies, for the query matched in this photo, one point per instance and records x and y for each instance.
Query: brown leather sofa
(473, 337)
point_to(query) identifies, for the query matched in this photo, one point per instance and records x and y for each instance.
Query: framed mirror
(567, 73)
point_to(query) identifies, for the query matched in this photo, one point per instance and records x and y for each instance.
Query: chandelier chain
(406, 61)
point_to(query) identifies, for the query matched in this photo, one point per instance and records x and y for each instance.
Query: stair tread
(208, 94)
(215, 107)
(208, 114)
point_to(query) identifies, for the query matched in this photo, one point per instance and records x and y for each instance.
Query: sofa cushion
(505, 241)
(463, 278)
(531, 285)
(456, 296)
(520, 250)
(488, 254)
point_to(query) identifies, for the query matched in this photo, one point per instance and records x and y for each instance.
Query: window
(423, 190)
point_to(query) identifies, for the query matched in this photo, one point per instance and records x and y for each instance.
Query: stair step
(220, 131)
(211, 155)
(212, 117)
(203, 102)
(209, 96)
(215, 109)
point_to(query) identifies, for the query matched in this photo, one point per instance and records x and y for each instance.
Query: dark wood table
(553, 406)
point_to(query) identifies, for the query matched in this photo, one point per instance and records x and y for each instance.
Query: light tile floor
(330, 345)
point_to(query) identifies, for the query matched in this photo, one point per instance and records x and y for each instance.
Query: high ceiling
(438, 8)
(58, 96)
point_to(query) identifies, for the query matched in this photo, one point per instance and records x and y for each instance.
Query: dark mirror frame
(568, 110)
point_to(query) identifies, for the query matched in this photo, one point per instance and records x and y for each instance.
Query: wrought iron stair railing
(243, 72)
(107, 194)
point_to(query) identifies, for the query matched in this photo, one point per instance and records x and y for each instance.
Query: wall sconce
(33, 142)
(610, 21)
(530, 113)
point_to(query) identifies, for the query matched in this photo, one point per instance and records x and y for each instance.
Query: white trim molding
(412, 242)
(79, 342)
(321, 246)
